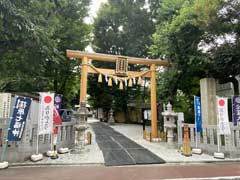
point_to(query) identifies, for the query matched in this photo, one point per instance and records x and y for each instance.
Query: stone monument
(80, 117)
(208, 101)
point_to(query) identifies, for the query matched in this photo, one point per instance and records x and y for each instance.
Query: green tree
(121, 27)
(34, 38)
(179, 38)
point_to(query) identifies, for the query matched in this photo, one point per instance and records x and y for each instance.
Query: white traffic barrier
(3, 165)
(36, 157)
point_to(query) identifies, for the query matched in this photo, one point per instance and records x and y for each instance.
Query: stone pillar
(208, 101)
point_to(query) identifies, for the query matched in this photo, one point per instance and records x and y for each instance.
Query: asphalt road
(119, 150)
(143, 172)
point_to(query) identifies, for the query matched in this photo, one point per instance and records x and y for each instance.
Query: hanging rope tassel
(106, 78)
(134, 80)
(130, 83)
(110, 82)
(100, 78)
(116, 81)
(139, 80)
(121, 85)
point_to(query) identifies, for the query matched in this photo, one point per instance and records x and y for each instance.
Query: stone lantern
(169, 123)
(80, 117)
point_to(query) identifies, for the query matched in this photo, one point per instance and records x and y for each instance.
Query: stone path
(161, 149)
(120, 150)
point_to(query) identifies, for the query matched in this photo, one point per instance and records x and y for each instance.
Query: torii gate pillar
(154, 130)
(84, 74)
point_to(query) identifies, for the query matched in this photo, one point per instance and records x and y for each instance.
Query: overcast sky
(94, 6)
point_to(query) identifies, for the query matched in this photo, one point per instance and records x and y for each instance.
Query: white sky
(94, 6)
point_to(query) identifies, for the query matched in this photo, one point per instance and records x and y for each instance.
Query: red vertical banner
(57, 120)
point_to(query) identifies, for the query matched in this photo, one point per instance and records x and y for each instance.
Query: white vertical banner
(222, 115)
(45, 120)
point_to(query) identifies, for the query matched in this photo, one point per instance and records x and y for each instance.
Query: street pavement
(143, 172)
(119, 150)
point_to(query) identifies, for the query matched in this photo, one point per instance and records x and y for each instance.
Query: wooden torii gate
(124, 61)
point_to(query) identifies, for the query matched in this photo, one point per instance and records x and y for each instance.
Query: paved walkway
(168, 154)
(120, 150)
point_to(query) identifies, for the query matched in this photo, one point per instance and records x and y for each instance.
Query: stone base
(4, 165)
(219, 155)
(187, 154)
(197, 151)
(63, 150)
(36, 157)
(49, 153)
(54, 156)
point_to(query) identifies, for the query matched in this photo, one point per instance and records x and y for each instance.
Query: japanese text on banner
(236, 110)
(222, 114)
(198, 116)
(45, 123)
(18, 119)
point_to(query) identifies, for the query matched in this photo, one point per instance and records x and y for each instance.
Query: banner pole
(51, 141)
(195, 121)
(218, 140)
(39, 111)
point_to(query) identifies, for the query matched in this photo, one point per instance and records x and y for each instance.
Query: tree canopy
(189, 37)
(121, 27)
(34, 37)
(200, 38)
